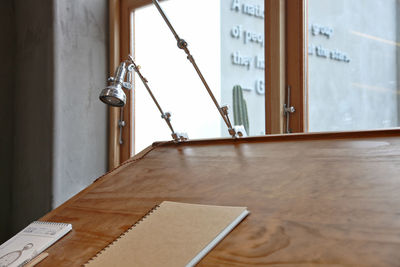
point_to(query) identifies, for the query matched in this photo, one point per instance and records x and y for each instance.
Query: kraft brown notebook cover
(172, 234)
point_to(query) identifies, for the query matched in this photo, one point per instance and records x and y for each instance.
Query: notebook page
(172, 235)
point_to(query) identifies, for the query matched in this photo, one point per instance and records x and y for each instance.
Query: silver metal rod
(121, 125)
(155, 2)
(144, 80)
(191, 59)
(182, 44)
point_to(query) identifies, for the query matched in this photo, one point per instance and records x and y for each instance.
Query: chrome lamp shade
(113, 95)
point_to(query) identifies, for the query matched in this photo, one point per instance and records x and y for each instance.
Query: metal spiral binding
(123, 234)
(51, 223)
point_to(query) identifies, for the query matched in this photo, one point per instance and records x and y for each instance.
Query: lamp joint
(182, 44)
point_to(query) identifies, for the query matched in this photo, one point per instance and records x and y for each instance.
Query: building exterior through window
(354, 59)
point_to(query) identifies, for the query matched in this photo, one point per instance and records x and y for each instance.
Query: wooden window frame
(120, 43)
(275, 71)
(296, 59)
(284, 57)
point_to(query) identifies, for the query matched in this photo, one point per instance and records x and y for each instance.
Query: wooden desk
(322, 199)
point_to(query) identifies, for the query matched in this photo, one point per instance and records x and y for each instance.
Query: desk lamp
(113, 95)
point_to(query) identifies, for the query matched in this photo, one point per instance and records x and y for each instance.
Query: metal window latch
(288, 110)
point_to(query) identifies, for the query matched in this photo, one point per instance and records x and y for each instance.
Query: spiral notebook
(30, 242)
(171, 234)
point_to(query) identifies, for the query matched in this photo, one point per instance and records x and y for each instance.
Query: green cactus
(240, 115)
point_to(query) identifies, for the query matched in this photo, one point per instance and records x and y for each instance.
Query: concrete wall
(7, 68)
(56, 144)
(81, 60)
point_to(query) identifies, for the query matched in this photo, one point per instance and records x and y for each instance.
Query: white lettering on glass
(241, 60)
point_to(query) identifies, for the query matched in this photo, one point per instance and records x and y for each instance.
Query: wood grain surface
(315, 200)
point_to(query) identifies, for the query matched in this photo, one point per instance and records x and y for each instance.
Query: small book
(171, 234)
(30, 242)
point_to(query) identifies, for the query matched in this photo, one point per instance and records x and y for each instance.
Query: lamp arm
(155, 2)
(165, 115)
(182, 44)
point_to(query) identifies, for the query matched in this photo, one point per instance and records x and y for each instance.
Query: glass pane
(226, 39)
(353, 59)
